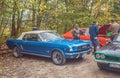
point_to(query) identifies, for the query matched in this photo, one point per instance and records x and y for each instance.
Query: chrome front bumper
(70, 54)
(106, 62)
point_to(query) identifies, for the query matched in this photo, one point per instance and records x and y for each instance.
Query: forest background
(17, 16)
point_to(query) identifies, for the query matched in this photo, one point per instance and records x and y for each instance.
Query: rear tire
(16, 52)
(58, 58)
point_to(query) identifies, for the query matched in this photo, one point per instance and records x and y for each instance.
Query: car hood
(63, 41)
(113, 49)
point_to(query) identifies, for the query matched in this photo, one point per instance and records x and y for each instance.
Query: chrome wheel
(58, 58)
(16, 52)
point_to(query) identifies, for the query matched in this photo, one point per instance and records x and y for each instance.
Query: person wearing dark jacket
(93, 31)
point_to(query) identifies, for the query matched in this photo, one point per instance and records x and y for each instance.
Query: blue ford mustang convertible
(48, 43)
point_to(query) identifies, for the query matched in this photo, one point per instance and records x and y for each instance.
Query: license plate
(114, 65)
(84, 55)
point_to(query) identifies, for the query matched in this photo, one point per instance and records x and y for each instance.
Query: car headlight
(97, 56)
(102, 56)
(71, 49)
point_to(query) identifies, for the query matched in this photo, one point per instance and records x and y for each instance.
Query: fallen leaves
(1, 69)
(1, 65)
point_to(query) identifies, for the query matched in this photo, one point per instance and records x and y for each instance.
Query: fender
(61, 51)
(17, 46)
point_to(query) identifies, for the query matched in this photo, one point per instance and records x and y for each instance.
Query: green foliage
(116, 9)
(58, 15)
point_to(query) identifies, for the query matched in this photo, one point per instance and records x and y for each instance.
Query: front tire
(16, 52)
(100, 66)
(58, 58)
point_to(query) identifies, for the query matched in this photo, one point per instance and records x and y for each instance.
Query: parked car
(103, 39)
(109, 57)
(48, 43)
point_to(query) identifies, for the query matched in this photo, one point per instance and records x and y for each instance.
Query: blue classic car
(48, 43)
(109, 57)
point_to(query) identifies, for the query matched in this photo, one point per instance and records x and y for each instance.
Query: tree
(115, 12)
(60, 15)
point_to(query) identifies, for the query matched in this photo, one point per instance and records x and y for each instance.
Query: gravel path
(38, 67)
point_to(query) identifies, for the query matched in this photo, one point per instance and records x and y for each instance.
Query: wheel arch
(15, 45)
(56, 49)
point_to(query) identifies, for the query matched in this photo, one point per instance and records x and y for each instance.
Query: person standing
(76, 32)
(114, 28)
(119, 27)
(93, 31)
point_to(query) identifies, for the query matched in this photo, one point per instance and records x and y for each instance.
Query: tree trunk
(38, 21)
(33, 16)
(13, 30)
(65, 29)
(2, 18)
(19, 22)
(1, 23)
(66, 3)
(39, 17)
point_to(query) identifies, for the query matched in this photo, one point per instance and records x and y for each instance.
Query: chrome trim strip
(78, 52)
(21, 47)
(101, 61)
(36, 54)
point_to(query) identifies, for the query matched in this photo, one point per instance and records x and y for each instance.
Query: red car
(103, 39)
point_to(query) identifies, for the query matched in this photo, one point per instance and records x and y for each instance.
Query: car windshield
(49, 36)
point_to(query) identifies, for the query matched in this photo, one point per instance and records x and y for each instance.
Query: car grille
(83, 47)
(112, 58)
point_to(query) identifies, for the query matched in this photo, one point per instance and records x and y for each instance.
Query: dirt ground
(38, 67)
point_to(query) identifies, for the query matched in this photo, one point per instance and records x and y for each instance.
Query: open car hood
(103, 30)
